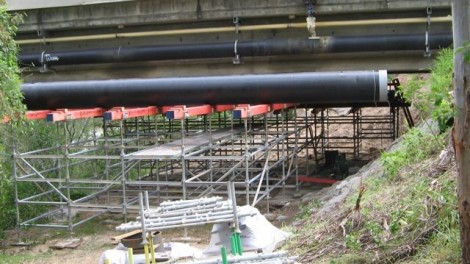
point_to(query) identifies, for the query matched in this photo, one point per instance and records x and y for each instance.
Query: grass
(15, 259)
(407, 213)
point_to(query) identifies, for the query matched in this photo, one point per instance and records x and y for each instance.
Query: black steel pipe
(325, 88)
(242, 48)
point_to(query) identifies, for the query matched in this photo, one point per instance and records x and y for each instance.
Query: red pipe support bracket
(36, 115)
(246, 110)
(30, 115)
(276, 107)
(182, 111)
(67, 114)
(223, 108)
(120, 113)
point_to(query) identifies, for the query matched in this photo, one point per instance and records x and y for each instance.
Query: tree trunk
(461, 132)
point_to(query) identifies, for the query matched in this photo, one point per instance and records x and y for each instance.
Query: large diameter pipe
(242, 48)
(326, 88)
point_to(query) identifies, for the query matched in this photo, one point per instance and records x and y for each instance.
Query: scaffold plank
(120, 113)
(173, 149)
(71, 114)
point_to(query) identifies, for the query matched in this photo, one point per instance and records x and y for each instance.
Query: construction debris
(280, 257)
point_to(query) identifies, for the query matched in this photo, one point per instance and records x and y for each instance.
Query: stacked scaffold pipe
(280, 257)
(185, 213)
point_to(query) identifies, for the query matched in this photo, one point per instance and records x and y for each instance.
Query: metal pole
(211, 165)
(307, 165)
(142, 221)
(157, 161)
(247, 161)
(15, 184)
(107, 161)
(67, 178)
(183, 168)
(123, 172)
(296, 154)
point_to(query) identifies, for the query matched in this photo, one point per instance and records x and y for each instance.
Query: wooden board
(119, 237)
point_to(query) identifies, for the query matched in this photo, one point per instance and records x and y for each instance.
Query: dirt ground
(96, 235)
(95, 238)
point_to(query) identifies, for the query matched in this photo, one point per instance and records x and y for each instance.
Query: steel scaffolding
(101, 164)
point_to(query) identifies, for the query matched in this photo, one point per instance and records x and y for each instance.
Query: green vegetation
(10, 105)
(416, 146)
(19, 133)
(16, 259)
(10, 94)
(436, 96)
(405, 211)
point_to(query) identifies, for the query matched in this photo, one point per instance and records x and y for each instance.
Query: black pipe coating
(243, 48)
(325, 88)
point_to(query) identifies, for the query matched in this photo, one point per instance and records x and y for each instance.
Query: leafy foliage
(415, 147)
(10, 93)
(10, 105)
(436, 97)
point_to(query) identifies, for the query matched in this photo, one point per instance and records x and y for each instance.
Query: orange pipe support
(67, 114)
(223, 108)
(36, 115)
(30, 115)
(276, 107)
(120, 113)
(181, 111)
(164, 109)
(246, 111)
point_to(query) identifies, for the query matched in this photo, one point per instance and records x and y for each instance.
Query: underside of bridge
(180, 97)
